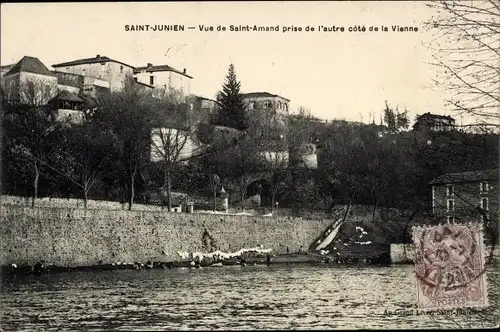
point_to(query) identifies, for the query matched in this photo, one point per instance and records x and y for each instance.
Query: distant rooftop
(472, 176)
(31, 65)
(97, 59)
(429, 115)
(7, 67)
(150, 68)
(205, 98)
(261, 94)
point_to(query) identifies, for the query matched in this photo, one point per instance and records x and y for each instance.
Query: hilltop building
(29, 81)
(434, 122)
(265, 100)
(267, 114)
(100, 67)
(164, 78)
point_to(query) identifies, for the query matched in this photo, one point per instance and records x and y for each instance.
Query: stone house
(265, 100)
(99, 67)
(466, 196)
(29, 81)
(164, 78)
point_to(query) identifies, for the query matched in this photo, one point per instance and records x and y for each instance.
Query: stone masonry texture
(76, 237)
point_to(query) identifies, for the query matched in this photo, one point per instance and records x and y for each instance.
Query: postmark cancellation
(450, 266)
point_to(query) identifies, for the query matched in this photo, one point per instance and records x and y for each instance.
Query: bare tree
(167, 147)
(129, 115)
(85, 154)
(173, 139)
(466, 48)
(30, 124)
(277, 165)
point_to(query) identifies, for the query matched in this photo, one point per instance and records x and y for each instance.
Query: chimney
(98, 56)
(184, 71)
(149, 65)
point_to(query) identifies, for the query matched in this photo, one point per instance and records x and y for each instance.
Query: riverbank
(292, 258)
(76, 237)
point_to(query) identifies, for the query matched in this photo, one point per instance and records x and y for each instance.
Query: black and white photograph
(249, 165)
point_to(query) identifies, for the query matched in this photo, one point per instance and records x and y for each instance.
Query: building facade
(100, 67)
(71, 89)
(164, 78)
(29, 81)
(434, 122)
(267, 115)
(266, 100)
(467, 196)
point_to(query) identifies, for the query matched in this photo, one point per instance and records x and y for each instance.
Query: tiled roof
(429, 115)
(204, 98)
(260, 94)
(31, 65)
(96, 59)
(151, 69)
(483, 175)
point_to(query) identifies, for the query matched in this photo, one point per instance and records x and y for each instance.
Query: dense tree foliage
(110, 156)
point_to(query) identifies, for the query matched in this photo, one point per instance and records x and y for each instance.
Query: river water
(250, 297)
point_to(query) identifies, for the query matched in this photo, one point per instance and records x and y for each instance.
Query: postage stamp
(449, 266)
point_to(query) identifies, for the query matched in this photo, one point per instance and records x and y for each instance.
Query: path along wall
(77, 237)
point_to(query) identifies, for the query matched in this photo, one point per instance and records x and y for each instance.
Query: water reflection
(252, 297)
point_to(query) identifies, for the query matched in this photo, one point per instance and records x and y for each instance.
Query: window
(251, 105)
(450, 219)
(483, 187)
(121, 69)
(449, 190)
(484, 204)
(151, 80)
(450, 205)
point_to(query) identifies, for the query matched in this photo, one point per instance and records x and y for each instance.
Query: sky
(336, 75)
